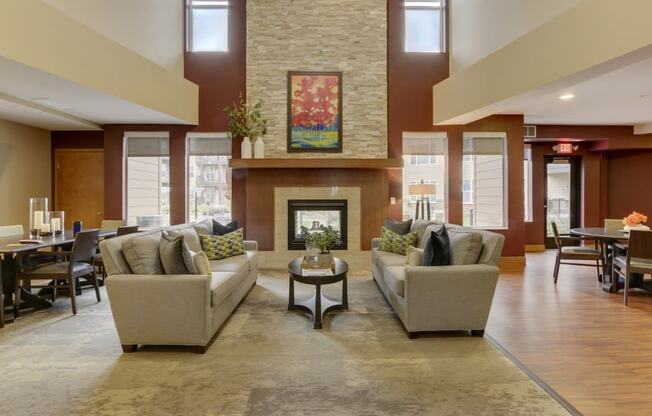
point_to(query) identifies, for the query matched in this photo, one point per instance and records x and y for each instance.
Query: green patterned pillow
(396, 243)
(219, 247)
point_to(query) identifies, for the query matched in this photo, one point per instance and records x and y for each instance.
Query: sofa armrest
(251, 245)
(459, 297)
(375, 242)
(161, 309)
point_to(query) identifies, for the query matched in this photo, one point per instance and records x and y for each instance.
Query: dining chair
(615, 225)
(566, 251)
(11, 230)
(637, 260)
(77, 263)
(111, 224)
(99, 262)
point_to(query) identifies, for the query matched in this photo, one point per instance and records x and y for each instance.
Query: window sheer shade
(209, 146)
(424, 146)
(148, 146)
(484, 146)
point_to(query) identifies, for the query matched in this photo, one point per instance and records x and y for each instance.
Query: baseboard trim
(545, 386)
(511, 264)
(535, 248)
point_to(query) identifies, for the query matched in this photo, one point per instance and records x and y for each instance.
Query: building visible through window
(207, 25)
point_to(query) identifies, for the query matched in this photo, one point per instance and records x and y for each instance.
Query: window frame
(529, 211)
(493, 135)
(190, 6)
(443, 30)
(189, 136)
(125, 165)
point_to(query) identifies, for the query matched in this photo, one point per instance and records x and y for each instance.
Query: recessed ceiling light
(567, 97)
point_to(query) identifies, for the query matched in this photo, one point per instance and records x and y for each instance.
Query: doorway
(79, 185)
(562, 189)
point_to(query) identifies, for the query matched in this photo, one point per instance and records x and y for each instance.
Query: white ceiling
(36, 98)
(620, 97)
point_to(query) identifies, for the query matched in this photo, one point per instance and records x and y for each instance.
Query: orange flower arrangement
(635, 218)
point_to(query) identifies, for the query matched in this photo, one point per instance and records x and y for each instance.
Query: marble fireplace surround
(283, 194)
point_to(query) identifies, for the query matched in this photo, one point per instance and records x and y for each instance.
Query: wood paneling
(260, 184)
(578, 339)
(629, 184)
(316, 163)
(81, 196)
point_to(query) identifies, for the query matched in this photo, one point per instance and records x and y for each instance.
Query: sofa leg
(199, 349)
(412, 335)
(126, 348)
(477, 332)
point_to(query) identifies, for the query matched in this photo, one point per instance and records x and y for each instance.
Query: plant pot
(326, 259)
(245, 148)
(637, 227)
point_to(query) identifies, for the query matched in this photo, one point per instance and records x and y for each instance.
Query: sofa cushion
(219, 247)
(175, 255)
(223, 229)
(466, 245)
(202, 264)
(392, 260)
(396, 243)
(437, 251)
(394, 277)
(421, 228)
(141, 253)
(189, 234)
(235, 264)
(397, 226)
(222, 284)
(204, 227)
(414, 256)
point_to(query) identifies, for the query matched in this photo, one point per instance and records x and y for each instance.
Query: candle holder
(38, 208)
(57, 222)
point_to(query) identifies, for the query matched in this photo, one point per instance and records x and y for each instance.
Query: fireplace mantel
(313, 163)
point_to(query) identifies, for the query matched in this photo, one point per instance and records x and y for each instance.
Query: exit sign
(564, 148)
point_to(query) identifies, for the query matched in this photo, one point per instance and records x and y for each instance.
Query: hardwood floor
(595, 352)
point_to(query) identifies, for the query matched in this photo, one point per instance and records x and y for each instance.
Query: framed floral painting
(314, 111)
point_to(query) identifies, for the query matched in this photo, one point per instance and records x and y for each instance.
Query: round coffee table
(319, 304)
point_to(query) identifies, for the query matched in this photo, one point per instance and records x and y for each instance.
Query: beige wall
(25, 170)
(338, 35)
(152, 28)
(480, 27)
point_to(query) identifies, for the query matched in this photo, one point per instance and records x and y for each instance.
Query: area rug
(266, 361)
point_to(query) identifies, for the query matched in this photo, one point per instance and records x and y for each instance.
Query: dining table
(11, 250)
(612, 242)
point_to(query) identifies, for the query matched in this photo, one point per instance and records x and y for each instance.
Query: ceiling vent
(530, 131)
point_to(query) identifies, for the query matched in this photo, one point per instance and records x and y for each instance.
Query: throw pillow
(397, 226)
(141, 253)
(396, 243)
(175, 255)
(413, 256)
(466, 245)
(219, 247)
(202, 264)
(437, 251)
(204, 227)
(220, 229)
(189, 234)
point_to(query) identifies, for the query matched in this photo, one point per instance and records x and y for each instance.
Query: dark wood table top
(600, 233)
(341, 268)
(11, 245)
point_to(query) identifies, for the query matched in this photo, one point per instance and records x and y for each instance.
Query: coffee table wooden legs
(319, 304)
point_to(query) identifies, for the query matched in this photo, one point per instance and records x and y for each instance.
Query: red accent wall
(629, 184)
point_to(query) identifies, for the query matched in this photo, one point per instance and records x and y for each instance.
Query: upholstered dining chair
(566, 250)
(77, 263)
(638, 258)
(99, 262)
(111, 224)
(11, 230)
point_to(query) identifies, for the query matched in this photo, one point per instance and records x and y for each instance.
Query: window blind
(484, 145)
(148, 146)
(424, 145)
(209, 146)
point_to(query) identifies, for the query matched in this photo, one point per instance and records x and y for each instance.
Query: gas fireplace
(312, 215)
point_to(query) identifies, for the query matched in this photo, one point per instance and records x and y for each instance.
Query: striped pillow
(396, 243)
(219, 247)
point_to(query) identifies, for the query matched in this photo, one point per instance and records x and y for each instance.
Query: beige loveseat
(440, 298)
(175, 309)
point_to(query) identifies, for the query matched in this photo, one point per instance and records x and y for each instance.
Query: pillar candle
(45, 228)
(38, 220)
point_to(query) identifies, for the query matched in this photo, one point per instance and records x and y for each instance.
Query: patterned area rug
(266, 361)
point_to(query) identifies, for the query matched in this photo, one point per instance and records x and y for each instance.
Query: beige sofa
(441, 298)
(175, 309)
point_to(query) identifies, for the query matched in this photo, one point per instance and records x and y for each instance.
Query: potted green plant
(324, 239)
(246, 121)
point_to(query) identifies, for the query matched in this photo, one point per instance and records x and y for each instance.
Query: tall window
(424, 157)
(425, 26)
(209, 177)
(484, 175)
(527, 182)
(148, 179)
(207, 25)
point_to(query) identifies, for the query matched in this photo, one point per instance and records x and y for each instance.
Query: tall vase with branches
(246, 120)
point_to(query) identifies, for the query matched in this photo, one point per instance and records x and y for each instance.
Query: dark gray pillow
(176, 257)
(437, 251)
(398, 227)
(219, 229)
